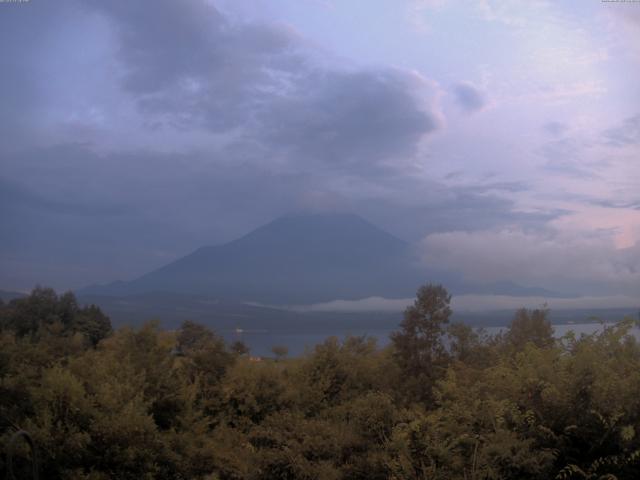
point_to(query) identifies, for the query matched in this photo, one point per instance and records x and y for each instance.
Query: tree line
(441, 401)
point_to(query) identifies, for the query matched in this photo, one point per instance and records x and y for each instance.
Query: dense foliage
(441, 402)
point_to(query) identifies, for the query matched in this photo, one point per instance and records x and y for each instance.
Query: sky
(502, 137)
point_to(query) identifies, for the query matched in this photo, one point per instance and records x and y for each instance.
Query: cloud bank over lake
(473, 303)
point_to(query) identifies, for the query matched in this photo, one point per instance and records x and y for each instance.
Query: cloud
(469, 98)
(574, 156)
(187, 129)
(450, 209)
(73, 210)
(472, 303)
(355, 119)
(550, 259)
(626, 134)
(23, 29)
(633, 204)
(419, 13)
(262, 85)
(569, 156)
(592, 153)
(139, 132)
(200, 70)
(14, 195)
(555, 128)
(511, 13)
(624, 29)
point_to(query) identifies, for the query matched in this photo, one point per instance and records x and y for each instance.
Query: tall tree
(418, 346)
(530, 326)
(92, 323)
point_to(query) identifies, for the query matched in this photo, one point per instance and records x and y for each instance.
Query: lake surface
(262, 341)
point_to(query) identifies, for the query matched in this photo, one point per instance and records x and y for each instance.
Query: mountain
(303, 259)
(295, 259)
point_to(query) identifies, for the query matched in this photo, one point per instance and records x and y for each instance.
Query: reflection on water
(261, 342)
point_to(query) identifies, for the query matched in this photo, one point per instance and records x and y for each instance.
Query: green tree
(26, 315)
(43, 312)
(92, 323)
(418, 345)
(530, 326)
(206, 360)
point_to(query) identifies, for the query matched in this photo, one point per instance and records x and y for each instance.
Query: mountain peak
(320, 226)
(320, 219)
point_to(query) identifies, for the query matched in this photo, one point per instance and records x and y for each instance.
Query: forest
(442, 401)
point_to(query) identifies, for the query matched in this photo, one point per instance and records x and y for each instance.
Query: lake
(261, 342)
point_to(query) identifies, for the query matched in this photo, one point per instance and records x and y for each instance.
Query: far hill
(7, 296)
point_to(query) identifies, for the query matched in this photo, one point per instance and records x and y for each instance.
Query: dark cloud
(185, 64)
(206, 71)
(357, 119)
(469, 97)
(626, 134)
